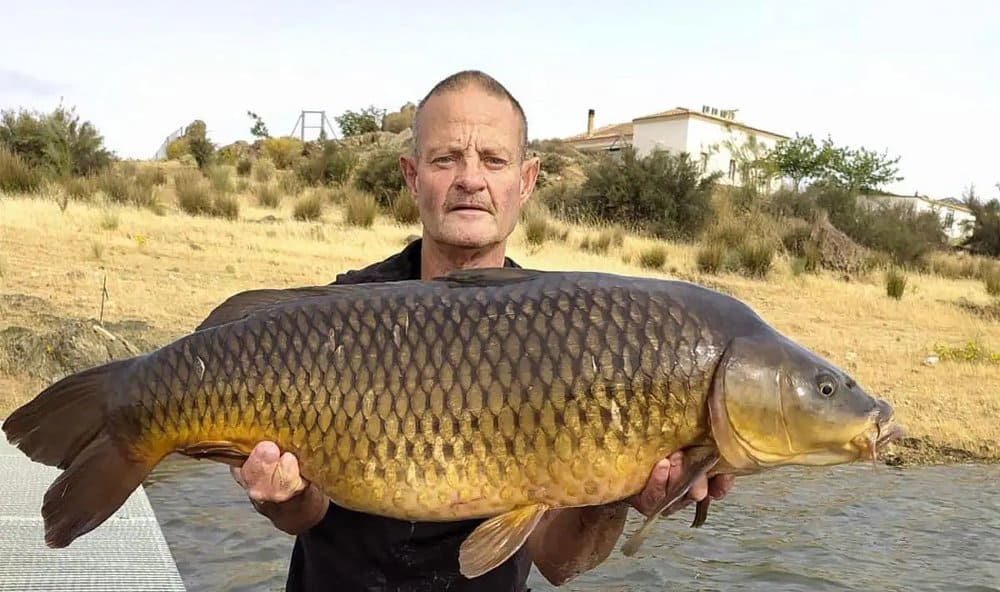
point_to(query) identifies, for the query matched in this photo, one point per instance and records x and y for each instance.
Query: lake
(855, 527)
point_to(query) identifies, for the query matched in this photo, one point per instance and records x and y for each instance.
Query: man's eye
(444, 159)
(494, 161)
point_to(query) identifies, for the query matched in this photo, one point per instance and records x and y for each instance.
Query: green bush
(711, 258)
(756, 257)
(381, 177)
(309, 207)
(563, 200)
(284, 152)
(243, 167)
(991, 279)
(268, 195)
(360, 209)
(16, 176)
(895, 283)
(333, 164)
(405, 209)
(195, 196)
(662, 194)
(57, 143)
(125, 190)
(653, 257)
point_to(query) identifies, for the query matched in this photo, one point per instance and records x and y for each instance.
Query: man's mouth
(468, 207)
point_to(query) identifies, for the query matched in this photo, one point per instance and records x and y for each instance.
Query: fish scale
(493, 394)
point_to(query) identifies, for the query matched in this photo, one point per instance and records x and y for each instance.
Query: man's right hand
(277, 489)
(270, 476)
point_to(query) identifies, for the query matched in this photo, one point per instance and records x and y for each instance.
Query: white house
(956, 220)
(711, 136)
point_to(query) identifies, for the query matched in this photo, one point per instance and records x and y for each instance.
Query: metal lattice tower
(324, 124)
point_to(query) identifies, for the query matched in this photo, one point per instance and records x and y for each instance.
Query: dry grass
(186, 265)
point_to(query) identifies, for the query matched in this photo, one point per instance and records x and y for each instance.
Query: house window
(704, 162)
(732, 170)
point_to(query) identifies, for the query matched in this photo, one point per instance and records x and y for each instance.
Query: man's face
(469, 180)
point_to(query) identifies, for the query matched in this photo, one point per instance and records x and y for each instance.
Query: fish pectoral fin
(495, 540)
(699, 462)
(701, 512)
(221, 451)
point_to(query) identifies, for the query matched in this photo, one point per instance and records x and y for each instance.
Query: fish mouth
(883, 432)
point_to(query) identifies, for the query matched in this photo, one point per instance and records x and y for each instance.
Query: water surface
(843, 528)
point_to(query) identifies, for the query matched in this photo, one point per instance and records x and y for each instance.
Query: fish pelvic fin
(495, 540)
(94, 486)
(700, 461)
(221, 451)
(62, 420)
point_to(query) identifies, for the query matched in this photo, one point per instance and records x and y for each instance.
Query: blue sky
(918, 79)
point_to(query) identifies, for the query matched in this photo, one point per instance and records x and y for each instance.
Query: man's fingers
(720, 485)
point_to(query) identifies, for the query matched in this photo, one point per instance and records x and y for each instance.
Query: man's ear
(529, 174)
(408, 165)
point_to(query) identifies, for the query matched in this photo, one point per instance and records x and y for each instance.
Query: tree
(799, 159)
(985, 236)
(259, 129)
(861, 169)
(198, 144)
(354, 123)
(57, 142)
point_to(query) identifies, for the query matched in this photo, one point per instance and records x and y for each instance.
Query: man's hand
(278, 491)
(671, 470)
(270, 476)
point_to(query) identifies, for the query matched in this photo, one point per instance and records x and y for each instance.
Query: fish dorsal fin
(495, 540)
(490, 276)
(244, 304)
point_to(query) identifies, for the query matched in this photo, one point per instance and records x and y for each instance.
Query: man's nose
(470, 178)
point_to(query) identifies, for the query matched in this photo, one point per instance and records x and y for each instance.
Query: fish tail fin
(94, 486)
(59, 423)
(66, 426)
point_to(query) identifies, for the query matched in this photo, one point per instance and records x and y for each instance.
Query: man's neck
(437, 260)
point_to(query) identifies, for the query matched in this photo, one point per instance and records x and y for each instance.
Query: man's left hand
(671, 470)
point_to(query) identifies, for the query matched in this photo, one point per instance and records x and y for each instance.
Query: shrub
(125, 190)
(381, 177)
(895, 283)
(653, 257)
(405, 209)
(603, 241)
(360, 209)
(284, 152)
(79, 188)
(150, 176)
(268, 195)
(16, 176)
(57, 142)
(755, 258)
(536, 229)
(220, 178)
(711, 258)
(243, 167)
(290, 184)
(263, 170)
(991, 279)
(333, 164)
(563, 200)
(177, 148)
(196, 197)
(662, 194)
(985, 236)
(309, 207)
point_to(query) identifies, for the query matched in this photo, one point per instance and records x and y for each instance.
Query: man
(470, 177)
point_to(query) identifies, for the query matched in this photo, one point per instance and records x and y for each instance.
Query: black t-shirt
(353, 552)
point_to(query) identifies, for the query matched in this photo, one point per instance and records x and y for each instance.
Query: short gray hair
(485, 82)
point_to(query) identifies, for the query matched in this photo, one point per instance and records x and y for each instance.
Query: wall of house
(669, 134)
(702, 140)
(709, 138)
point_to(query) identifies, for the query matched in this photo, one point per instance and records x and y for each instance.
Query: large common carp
(489, 393)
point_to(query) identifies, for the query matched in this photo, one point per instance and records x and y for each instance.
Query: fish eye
(827, 385)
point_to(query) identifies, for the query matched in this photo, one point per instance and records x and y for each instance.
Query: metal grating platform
(128, 552)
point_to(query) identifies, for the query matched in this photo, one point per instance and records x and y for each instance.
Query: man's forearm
(574, 540)
(298, 514)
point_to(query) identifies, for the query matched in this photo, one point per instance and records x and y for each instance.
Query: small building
(712, 137)
(957, 221)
